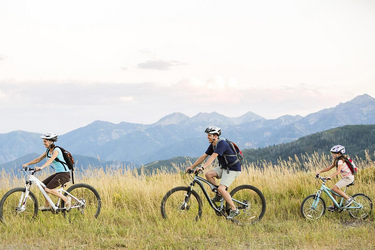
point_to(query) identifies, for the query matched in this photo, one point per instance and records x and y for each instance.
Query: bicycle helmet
(338, 149)
(213, 130)
(50, 136)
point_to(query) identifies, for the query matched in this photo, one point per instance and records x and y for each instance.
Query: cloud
(213, 90)
(126, 98)
(159, 64)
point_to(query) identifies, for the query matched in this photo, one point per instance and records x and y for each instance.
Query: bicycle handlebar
(324, 179)
(191, 171)
(29, 169)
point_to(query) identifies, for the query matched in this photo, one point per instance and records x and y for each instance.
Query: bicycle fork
(185, 204)
(316, 199)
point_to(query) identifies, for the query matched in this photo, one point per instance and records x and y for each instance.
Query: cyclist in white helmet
(62, 174)
(338, 155)
(227, 171)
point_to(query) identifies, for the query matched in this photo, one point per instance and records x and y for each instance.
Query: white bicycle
(21, 204)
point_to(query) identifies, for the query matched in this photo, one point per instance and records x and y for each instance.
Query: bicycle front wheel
(15, 208)
(312, 207)
(251, 203)
(181, 203)
(86, 202)
(366, 206)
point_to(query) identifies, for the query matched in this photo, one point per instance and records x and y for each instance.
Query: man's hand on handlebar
(198, 169)
(189, 170)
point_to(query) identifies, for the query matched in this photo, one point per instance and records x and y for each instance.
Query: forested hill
(355, 138)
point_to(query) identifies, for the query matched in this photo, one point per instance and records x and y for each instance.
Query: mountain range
(359, 141)
(180, 135)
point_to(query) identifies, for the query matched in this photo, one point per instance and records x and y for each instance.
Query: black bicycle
(185, 203)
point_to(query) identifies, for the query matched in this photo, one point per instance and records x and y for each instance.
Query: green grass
(131, 219)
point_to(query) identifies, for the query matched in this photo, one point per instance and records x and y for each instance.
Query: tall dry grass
(131, 219)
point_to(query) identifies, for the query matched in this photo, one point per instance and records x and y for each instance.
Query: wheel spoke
(181, 204)
(364, 204)
(15, 209)
(250, 202)
(313, 208)
(86, 202)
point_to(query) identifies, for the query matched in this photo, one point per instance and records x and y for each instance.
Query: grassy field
(131, 219)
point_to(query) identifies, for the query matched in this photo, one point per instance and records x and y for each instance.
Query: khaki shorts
(345, 181)
(226, 179)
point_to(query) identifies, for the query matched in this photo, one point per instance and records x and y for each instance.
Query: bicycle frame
(329, 193)
(31, 179)
(218, 209)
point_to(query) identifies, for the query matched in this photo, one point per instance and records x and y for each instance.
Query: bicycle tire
(310, 213)
(255, 207)
(173, 205)
(11, 209)
(365, 211)
(89, 196)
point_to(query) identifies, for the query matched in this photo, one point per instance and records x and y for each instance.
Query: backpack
(238, 153)
(68, 160)
(353, 168)
(235, 149)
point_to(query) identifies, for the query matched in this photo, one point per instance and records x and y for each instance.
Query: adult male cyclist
(228, 170)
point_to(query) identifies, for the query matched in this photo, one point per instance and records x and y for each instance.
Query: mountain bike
(313, 206)
(20, 204)
(184, 202)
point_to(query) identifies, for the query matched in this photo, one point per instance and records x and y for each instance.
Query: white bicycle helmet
(50, 136)
(213, 130)
(338, 149)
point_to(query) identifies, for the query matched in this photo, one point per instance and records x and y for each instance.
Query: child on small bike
(338, 155)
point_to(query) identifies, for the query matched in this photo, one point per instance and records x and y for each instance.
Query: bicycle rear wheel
(181, 203)
(88, 204)
(250, 202)
(313, 208)
(365, 202)
(15, 209)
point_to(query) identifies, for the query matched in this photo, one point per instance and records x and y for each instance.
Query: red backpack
(353, 168)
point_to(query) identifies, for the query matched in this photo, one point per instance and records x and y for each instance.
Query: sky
(66, 64)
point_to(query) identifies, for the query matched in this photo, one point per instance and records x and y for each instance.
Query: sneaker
(68, 204)
(45, 208)
(332, 208)
(233, 213)
(349, 202)
(218, 198)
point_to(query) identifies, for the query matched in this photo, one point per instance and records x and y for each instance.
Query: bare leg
(55, 193)
(210, 176)
(226, 196)
(340, 192)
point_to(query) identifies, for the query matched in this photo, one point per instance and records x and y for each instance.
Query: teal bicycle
(313, 206)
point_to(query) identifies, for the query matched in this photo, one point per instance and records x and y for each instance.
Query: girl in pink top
(342, 168)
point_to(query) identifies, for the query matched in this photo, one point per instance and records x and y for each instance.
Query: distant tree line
(355, 138)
